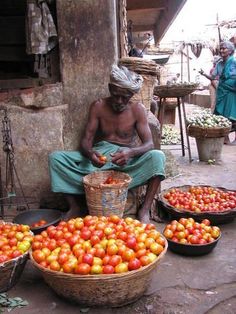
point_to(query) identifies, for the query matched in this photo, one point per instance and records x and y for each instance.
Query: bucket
(209, 148)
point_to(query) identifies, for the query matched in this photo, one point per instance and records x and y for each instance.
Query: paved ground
(187, 285)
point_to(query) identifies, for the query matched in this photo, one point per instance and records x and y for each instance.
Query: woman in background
(226, 90)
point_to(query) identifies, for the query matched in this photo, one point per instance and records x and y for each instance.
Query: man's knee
(54, 156)
(158, 155)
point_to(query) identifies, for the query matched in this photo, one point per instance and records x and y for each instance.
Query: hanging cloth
(196, 49)
(41, 34)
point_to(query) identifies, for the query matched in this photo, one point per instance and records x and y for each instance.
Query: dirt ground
(181, 284)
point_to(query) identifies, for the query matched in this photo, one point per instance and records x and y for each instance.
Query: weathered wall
(37, 118)
(52, 117)
(88, 48)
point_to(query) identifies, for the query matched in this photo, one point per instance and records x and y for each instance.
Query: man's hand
(121, 157)
(201, 72)
(97, 159)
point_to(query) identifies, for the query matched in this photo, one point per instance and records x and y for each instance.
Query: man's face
(119, 97)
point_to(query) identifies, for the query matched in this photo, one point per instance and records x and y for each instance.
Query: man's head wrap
(124, 78)
(228, 45)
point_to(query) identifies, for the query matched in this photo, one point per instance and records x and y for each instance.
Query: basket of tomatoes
(106, 192)
(189, 237)
(99, 261)
(214, 203)
(15, 242)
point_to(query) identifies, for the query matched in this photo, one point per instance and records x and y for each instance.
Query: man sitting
(118, 120)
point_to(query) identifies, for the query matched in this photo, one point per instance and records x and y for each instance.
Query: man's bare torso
(116, 127)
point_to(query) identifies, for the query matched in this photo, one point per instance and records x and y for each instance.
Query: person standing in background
(226, 90)
(214, 82)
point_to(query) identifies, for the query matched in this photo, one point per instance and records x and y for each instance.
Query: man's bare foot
(143, 216)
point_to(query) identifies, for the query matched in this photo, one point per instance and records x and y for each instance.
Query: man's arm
(143, 131)
(86, 145)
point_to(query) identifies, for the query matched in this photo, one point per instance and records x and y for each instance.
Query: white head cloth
(124, 78)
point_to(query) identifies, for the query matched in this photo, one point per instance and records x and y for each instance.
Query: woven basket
(101, 290)
(200, 132)
(214, 217)
(106, 199)
(174, 90)
(11, 271)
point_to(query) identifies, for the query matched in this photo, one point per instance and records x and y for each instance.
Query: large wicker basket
(173, 90)
(200, 132)
(214, 217)
(101, 290)
(106, 199)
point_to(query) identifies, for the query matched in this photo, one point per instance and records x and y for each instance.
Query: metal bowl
(52, 216)
(192, 249)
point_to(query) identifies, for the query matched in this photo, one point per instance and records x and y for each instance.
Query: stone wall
(37, 121)
(53, 117)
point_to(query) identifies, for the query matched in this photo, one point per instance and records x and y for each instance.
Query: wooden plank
(18, 83)
(147, 4)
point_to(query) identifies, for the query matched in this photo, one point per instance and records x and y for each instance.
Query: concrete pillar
(88, 48)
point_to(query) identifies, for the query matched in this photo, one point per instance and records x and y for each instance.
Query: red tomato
(68, 267)
(128, 255)
(85, 234)
(206, 222)
(145, 260)
(38, 256)
(134, 264)
(82, 269)
(54, 265)
(115, 260)
(87, 258)
(62, 258)
(131, 242)
(108, 269)
(98, 233)
(3, 258)
(100, 252)
(194, 239)
(112, 249)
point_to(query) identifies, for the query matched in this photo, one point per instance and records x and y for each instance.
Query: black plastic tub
(192, 249)
(28, 217)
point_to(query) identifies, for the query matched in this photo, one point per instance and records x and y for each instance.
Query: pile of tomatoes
(15, 240)
(97, 245)
(188, 231)
(201, 199)
(111, 180)
(38, 223)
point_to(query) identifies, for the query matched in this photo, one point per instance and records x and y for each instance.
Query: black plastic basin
(52, 217)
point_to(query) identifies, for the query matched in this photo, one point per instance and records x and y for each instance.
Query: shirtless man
(118, 120)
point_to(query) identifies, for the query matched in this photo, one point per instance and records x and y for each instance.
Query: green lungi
(67, 168)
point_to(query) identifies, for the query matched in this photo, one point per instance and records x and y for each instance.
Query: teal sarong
(226, 90)
(67, 168)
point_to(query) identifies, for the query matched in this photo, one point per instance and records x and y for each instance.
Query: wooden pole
(181, 62)
(188, 63)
